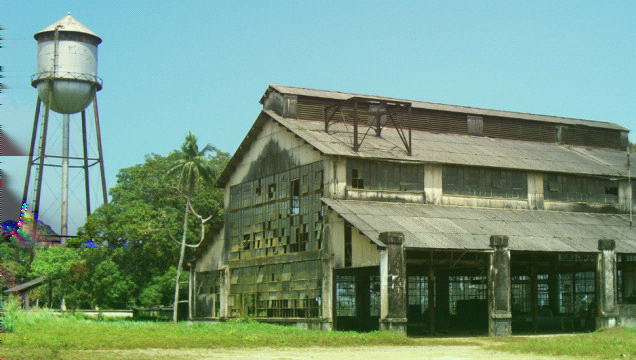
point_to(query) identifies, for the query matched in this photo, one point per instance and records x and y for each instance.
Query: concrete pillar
(393, 283)
(224, 287)
(606, 294)
(336, 175)
(327, 293)
(433, 184)
(535, 191)
(499, 307)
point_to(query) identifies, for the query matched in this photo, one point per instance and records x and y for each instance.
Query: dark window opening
(611, 190)
(553, 183)
(295, 196)
(576, 292)
(374, 295)
(319, 180)
(520, 294)
(498, 179)
(258, 188)
(384, 175)
(258, 241)
(247, 243)
(304, 239)
(305, 182)
(474, 181)
(572, 188)
(473, 177)
(417, 296)
(271, 191)
(345, 295)
(452, 179)
(543, 294)
(466, 288)
(356, 181)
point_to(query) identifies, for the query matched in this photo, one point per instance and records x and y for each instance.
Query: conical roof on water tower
(66, 77)
(68, 24)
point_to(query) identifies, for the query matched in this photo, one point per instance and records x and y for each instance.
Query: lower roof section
(27, 285)
(448, 227)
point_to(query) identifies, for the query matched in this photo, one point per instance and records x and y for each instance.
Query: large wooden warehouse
(346, 211)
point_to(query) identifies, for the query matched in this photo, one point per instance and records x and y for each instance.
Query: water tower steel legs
(38, 186)
(86, 182)
(31, 150)
(99, 146)
(65, 163)
(65, 154)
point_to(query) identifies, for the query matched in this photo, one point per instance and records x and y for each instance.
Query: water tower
(66, 81)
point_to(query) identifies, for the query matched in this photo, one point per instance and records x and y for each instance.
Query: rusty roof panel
(438, 227)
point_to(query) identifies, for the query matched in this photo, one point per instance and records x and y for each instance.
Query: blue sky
(170, 67)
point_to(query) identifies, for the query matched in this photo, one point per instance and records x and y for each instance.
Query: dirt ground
(441, 352)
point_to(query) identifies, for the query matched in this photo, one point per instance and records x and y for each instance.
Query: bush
(11, 312)
(160, 291)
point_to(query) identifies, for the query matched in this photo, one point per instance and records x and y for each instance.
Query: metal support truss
(396, 114)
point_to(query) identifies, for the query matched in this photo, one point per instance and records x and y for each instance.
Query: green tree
(110, 287)
(143, 207)
(158, 291)
(192, 167)
(56, 263)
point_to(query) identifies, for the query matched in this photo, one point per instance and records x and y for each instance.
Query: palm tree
(192, 166)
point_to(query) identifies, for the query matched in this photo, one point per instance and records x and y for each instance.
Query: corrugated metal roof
(459, 149)
(27, 285)
(68, 23)
(443, 227)
(335, 95)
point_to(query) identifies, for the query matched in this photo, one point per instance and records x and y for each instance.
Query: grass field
(48, 335)
(43, 334)
(615, 343)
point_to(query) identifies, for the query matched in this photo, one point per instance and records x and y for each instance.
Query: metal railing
(66, 75)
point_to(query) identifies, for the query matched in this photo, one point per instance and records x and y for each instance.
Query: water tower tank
(66, 66)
